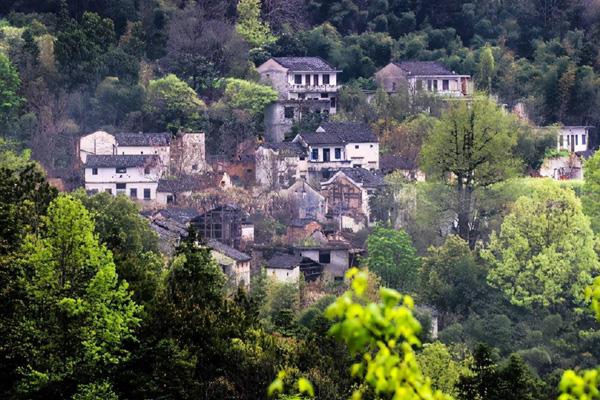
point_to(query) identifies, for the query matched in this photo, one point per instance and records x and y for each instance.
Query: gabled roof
(284, 261)
(286, 148)
(182, 215)
(143, 139)
(228, 251)
(123, 160)
(340, 133)
(304, 64)
(361, 176)
(423, 68)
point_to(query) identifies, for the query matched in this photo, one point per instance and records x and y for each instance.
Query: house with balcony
(430, 76)
(134, 175)
(573, 138)
(304, 85)
(337, 145)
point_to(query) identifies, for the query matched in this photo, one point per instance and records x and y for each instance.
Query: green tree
(591, 191)
(392, 257)
(9, 92)
(437, 362)
(250, 26)
(487, 68)
(544, 254)
(250, 96)
(172, 104)
(470, 148)
(77, 315)
(450, 278)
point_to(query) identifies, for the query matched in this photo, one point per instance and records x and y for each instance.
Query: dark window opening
(108, 190)
(133, 193)
(324, 257)
(356, 146)
(94, 171)
(146, 194)
(445, 84)
(583, 139)
(195, 167)
(314, 154)
(333, 102)
(338, 153)
(121, 186)
(325, 79)
(146, 170)
(324, 95)
(170, 199)
(307, 80)
(326, 174)
(298, 79)
(121, 170)
(419, 84)
(326, 155)
(288, 112)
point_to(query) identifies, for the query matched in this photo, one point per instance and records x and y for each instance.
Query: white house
(235, 264)
(337, 145)
(430, 76)
(573, 138)
(284, 268)
(133, 175)
(304, 84)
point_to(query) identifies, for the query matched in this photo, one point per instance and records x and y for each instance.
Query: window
(419, 84)
(133, 193)
(429, 84)
(324, 257)
(435, 85)
(301, 96)
(561, 140)
(298, 79)
(576, 140)
(141, 152)
(356, 166)
(445, 84)
(338, 153)
(326, 153)
(108, 190)
(249, 171)
(316, 80)
(394, 86)
(302, 158)
(146, 170)
(324, 95)
(121, 170)
(325, 79)
(170, 199)
(356, 146)
(314, 154)
(195, 167)
(333, 102)
(583, 139)
(94, 171)
(326, 174)
(94, 191)
(371, 146)
(307, 80)
(121, 186)
(146, 194)
(288, 112)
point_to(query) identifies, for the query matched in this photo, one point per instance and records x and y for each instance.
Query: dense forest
(91, 309)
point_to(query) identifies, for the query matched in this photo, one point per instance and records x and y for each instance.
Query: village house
(334, 256)
(348, 193)
(174, 190)
(430, 76)
(287, 268)
(234, 263)
(573, 138)
(575, 141)
(299, 230)
(227, 224)
(308, 201)
(278, 165)
(337, 145)
(135, 176)
(304, 84)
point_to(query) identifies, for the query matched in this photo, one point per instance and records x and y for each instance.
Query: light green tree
(487, 68)
(250, 26)
(172, 104)
(392, 257)
(544, 254)
(78, 314)
(437, 362)
(591, 191)
(470, 149)
(250, 96)
(10, 82)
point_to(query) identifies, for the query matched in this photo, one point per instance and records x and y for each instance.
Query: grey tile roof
(341, 133)
(121, 160)
(305, 63)
(284, 261)
(228, 251)
(287, 148)
(423, 68)
(143, 139)
(364, 176)
(182, 215)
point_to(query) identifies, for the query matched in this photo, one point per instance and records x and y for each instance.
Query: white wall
(367, 154)
(284, 275)
(99, 142)
(134, 177)
(162, 151)
(578, 134)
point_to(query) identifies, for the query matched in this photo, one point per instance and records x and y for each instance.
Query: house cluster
(323, 180)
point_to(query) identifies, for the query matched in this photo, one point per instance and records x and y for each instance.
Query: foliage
(172, 104)
(384, 334)
(437, 362)
(250, 96)
(591, 191)
(546, 238)
(470, 148)
(250, 26)
(9, 91)
(78, 315)
(392, 256)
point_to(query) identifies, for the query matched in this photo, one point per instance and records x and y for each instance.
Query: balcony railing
(312, 88)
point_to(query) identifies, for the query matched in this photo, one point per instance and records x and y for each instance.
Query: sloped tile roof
(284, 261)
(304, 63)
(423, 68)
(364, 176)
(341, 133)
(287, 148)
(228, 251)
(143, 139)
(121, 160)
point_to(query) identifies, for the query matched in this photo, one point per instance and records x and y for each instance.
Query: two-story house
(573, 138)
(133, 175)
(304, 85)
(430, 76)
(337, 145)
